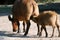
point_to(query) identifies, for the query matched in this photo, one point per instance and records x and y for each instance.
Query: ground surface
(7, 34)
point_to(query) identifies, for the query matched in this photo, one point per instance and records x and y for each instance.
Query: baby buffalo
(47, 18)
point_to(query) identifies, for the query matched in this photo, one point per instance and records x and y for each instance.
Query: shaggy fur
(47, 18)
(22, 11)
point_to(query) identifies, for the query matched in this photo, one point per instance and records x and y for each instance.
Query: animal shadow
(19, 35)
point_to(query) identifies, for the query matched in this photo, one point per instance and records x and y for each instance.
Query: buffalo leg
(27, 29)
(23, 26)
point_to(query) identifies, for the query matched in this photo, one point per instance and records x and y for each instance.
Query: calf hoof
(51, 36)
(46, 36)
(37, 33)
(23, 30)
(58, 35)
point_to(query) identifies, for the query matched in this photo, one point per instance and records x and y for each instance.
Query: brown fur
(47, 18)
(22, 11)
(10, 17)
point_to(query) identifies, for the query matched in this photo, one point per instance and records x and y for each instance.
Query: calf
(47, 18)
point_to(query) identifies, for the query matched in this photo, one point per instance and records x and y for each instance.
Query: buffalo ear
(10, 18)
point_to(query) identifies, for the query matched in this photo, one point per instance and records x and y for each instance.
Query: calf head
(35, 19)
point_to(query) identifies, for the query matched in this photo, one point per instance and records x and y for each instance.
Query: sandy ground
(6, 32)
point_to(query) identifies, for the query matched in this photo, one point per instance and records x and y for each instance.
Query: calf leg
(45, 31)
(43, 27)
(58, 29)
(38, 29)
(27, 29)
(53, 31)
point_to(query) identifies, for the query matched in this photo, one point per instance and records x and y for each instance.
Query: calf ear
(10, 18)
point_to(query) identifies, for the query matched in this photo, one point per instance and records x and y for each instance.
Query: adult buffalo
(22, 11)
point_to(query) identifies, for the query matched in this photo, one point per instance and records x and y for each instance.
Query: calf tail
(57, 20)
